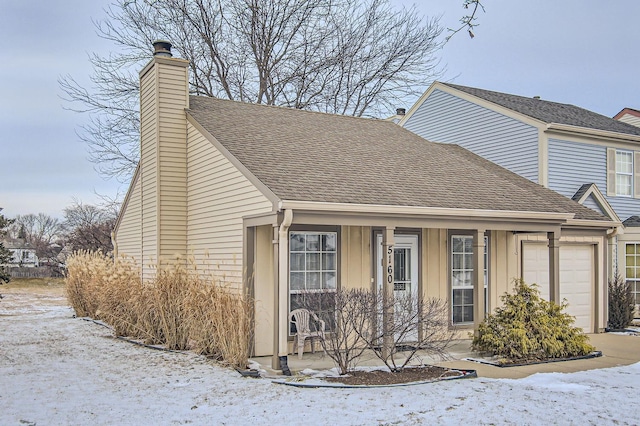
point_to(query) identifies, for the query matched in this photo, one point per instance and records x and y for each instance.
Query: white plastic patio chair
(301, 318)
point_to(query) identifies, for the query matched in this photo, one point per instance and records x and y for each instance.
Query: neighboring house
(23, 254)
(277, 201)
(580, 154)
(629, 115)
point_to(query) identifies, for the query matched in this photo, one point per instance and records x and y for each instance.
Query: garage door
(576, 278)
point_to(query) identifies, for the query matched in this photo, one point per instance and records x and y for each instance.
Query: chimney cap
(162, 48)
(401, 111)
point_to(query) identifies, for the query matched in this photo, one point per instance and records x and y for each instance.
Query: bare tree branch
(467, 21)
(353, 57)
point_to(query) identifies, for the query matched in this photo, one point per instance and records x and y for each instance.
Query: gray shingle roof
(551, 112)
(310, 156)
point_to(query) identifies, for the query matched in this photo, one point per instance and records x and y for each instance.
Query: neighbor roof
(551, 112)
(310, 156)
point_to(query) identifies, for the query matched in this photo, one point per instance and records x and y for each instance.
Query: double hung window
(632, 264)
(624, 173)
(462, 277)
(313, 270)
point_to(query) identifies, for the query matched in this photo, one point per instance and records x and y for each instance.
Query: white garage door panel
(576, 272)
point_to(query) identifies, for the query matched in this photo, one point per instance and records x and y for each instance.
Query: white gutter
(422, 211)
(283, 283)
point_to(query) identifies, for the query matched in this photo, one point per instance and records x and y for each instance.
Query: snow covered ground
(60, 370)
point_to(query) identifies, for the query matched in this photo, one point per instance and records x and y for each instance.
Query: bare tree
(88, 227)
(354, 57)
(40, 231)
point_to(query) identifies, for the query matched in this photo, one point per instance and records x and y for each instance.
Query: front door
(405, 271)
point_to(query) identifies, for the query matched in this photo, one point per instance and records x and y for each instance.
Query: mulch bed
(406, 375)
(521, 363)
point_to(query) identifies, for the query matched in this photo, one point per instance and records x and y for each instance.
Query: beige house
(278, 201)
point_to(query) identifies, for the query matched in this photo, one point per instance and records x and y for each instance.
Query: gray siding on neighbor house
(572, 164)
(503, 140)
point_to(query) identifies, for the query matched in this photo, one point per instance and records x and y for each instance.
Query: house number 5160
(390, 264)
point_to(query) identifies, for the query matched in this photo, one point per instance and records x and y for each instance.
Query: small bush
(528, 328)
(178, 309)
(621, 303)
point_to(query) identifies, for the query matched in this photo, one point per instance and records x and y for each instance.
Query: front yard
(56, 369)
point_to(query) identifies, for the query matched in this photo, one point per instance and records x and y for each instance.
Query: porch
(617, 350)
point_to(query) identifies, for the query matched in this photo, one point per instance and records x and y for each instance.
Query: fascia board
(601, 200)
(127, 197)
(418, 103)
(264, 189)
(584, 131)
(423, 211)
(492, 106)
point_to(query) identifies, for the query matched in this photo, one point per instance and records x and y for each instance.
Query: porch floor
(617, 350)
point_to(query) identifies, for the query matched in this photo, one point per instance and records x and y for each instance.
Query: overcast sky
(582, 52)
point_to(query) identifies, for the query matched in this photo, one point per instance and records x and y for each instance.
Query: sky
(582, 52)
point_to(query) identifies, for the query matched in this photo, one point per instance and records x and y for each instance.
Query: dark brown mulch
(406, 375)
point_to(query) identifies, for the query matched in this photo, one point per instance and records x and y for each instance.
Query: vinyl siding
(631, 119)
(572, 164)
(218, 197)
(503, 140)
(172, 160)
(129, 236)
(148, 173)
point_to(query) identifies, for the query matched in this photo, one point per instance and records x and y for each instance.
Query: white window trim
(467, 287)
(620, 173)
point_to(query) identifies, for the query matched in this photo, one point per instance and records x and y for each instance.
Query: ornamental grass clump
(178, 308)
(529, 328)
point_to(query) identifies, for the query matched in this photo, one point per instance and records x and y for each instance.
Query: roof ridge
(548, 111)
(287, 108)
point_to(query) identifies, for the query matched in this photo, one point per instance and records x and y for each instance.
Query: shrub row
(178, 308)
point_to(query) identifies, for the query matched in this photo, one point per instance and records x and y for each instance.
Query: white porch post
(478, 277)
(554, 265)
(387, 290)
(283, 284)
(275, 361)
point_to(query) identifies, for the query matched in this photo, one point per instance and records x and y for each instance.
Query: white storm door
(405, 271)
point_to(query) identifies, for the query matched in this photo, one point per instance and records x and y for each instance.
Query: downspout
(612, 245)
(283, 287)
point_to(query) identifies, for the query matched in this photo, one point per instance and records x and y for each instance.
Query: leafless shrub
(414, 325)
(347, 322)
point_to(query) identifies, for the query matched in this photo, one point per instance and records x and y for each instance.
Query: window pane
(457, 314)
(313, 261)
(329, 280)
(458, 244)
(468, 244)
(297, 281)
(329, 242)
(467, 313)
(457, 263)
(313, 242)
(467, 297)
(631, 260)
(468, 261)
(329, 261)
(297, 262)
(296, 242)
(313, 281)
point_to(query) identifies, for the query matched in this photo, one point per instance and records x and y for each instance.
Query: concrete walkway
(617, 350)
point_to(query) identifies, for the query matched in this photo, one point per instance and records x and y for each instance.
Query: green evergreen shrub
(529, 328)
(621, 303)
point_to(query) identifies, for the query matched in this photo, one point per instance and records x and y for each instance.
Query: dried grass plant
(178, 308)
